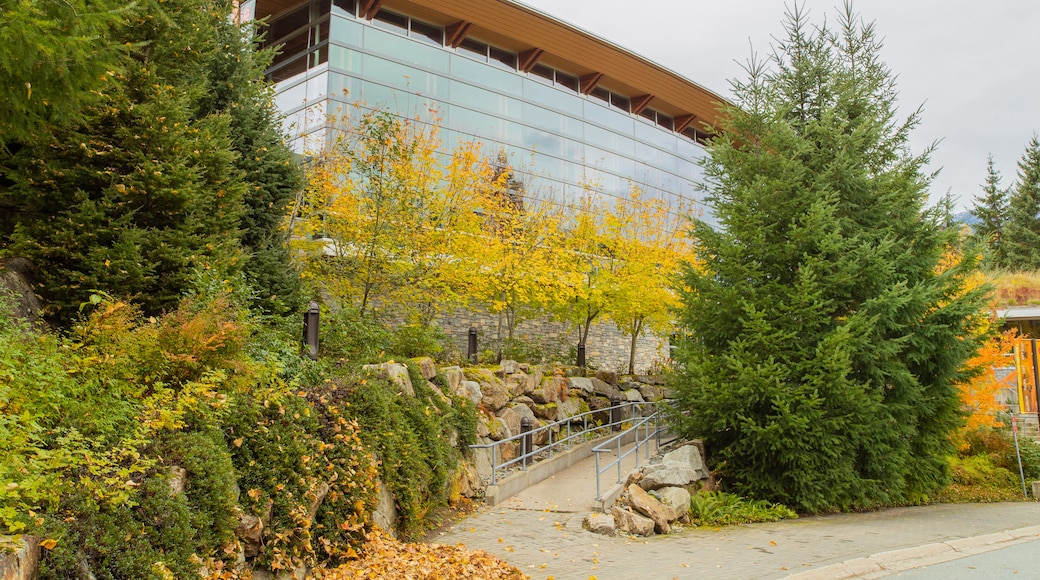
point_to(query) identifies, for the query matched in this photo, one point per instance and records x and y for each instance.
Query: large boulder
(509, 367)
(631, 522)
(499, 429)
(17, 289)
(647, 505)
(453, 376)
(494, 394)
(548, 412)
(599, 523)
(511, 417)
(396, 372)
(250, 530)
(632, 396)
(385, 514)
(520, 384)
(571, 407)
(676, 501)
(595, 386)
(550, 390)
(426, 366)
(677, 468)
(609, 377)
(470, 390)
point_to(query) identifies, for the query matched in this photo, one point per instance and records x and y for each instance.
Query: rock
(676, 501)
(509, 367)
(570, 407)
(676, 469)
(483, 427)
(599, 523)
(396, 372)
(541, 437)
(18, 291)
(519, 384)
(632, 523)
(548, 412)
(178, 479)
(499, 429)
(495, 393)
(550, 390)
(453, 376)
(482, 463)
(631, 396)
(469, 480)
(650, 380)
(523, 400)
(511, 417)
(609, 377)
(651, 392)
(385, 514)
(20, 557)
(316, 495)
(470, 390)
(645, 504)
(427, 367)
(250, 530)
(438, 392)
(595, 386)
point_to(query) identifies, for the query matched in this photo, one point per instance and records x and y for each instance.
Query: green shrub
(977, 478)
(352, 337)
(716, 508)
(414, 340)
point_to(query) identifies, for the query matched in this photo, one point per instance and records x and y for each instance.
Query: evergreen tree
(991, 210)
(825, 329)
(1023, 222)
(146, 189)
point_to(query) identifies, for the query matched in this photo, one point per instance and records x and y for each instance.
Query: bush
(350, 336)
(715, 508)
(414, 340)
(976, 478)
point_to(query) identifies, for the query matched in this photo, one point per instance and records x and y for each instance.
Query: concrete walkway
(540, 531)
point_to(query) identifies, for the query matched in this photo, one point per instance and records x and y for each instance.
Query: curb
(885, 563)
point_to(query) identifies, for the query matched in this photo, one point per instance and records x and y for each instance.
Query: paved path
(545, 543)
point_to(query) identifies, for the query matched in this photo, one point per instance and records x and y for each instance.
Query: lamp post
(471, 349)
(310, 330)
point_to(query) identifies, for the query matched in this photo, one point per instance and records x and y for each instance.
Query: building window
(391, 21)
(540, 70)
(566, 80)
(348, 6)
(502, 58)
(474, 49)
(427, 33)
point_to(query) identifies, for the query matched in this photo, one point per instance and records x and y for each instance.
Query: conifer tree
(992, 211)
(825, 332)
(149, 187)
(1023, 222)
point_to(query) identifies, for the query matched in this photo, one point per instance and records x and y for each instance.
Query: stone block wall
(607, 347)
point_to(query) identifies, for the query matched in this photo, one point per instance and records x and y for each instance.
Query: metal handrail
(526, 439)
(651, 426)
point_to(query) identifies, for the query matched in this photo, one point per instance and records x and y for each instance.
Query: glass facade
(556, 138)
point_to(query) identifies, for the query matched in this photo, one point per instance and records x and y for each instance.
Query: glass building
(566, 107)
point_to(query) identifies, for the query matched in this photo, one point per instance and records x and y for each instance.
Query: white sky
(974, 66)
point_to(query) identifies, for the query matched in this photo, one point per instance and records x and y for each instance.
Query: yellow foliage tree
(385, 219)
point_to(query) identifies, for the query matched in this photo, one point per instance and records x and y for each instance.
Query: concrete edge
(884, 563)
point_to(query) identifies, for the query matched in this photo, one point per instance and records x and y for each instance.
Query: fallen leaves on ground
(386, 557)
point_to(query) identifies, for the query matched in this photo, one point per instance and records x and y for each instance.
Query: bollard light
(528, 439)
(471, 348)
(615, 412)
(310, 330)
(581, 355)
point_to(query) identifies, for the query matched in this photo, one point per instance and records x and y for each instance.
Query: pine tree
(1023, 221)
(145, 191)
(825, 332)
(992, 211)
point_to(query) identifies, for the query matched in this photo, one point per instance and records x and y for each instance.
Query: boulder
(676, 501)
(550, 390)
(396, 372)
(632, 396)
(548, 412)
(499, 429)
(631, 522)
(482, 463)
(483, 427)
(178, 479)
(438, 392)
(495, 395)
(599, 523)
(676, 469)
(651, 380)
(250, 530)
(645, 504)
(509, 367)
(511, 417)
(385, 514)
(650, 392)
(20, 557)
(470, 390)
(570, 407)
(426, 366)
(316, 496)
(519, 384)
(609, 377)
(453, 376)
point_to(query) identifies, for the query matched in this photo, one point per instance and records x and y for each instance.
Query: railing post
(527, 439)
(615, 413)
(494, 464)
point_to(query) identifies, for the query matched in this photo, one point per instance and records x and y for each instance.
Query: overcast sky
(973, 66)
